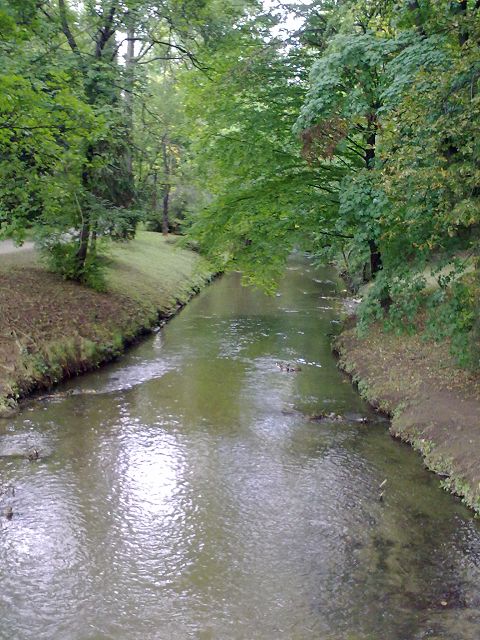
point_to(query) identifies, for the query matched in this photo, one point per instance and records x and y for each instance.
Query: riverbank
(51, 329)
(433, 404)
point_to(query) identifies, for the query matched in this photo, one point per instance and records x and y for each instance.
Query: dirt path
(8, 246)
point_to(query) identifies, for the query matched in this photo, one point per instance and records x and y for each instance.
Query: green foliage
(358, 140)
(42, 130)
(61, 257)
(259, 193)
(454, 314)
(389, 170)
(70, 109)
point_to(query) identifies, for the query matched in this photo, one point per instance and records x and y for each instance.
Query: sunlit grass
(154, 271)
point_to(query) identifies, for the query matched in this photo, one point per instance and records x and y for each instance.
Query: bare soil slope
(434, 404)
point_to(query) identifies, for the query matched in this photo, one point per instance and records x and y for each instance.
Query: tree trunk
(463, 34)
(413, 5)
(93, 240)
(129, 87)
(81, 255)
(165, 218)
(371, 140)
(82, 250)
(166, 186)
(155, 194)
(104, 35)
(375, 258)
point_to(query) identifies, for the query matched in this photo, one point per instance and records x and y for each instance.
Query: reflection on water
(183, 492)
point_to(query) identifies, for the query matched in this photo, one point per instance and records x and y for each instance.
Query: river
(184, 492)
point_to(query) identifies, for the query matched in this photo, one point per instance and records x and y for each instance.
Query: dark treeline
(354, 135)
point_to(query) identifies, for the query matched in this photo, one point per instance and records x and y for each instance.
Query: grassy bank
(434, 405)
(51, 329)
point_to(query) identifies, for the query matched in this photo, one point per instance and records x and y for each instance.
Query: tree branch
(335, 235)
(66, 28)
(105, 32)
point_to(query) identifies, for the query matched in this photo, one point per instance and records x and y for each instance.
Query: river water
(183, 492)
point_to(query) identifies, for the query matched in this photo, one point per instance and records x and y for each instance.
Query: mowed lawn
(153, 270)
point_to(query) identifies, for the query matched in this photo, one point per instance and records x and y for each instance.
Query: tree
(261, 196)
(160, 141)
(340, 118)
(74, 55)
(401, 84)
(388, 171)
(44, 119)
(431, 175)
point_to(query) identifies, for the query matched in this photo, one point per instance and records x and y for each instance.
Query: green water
(191, 497)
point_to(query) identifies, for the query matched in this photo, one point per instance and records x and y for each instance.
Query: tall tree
(404, 81)
(261, 195)
(44, 120)
(80, 75)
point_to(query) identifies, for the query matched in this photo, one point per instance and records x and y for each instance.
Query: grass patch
(154, 272)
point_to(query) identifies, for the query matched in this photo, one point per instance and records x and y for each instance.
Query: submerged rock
(33, 454)
(327, 417)
(290, 368)
(337, 417)
(289, 412)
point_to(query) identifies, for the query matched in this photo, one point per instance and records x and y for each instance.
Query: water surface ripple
(183, 492)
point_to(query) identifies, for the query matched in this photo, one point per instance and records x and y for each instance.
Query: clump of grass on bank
(51, 329)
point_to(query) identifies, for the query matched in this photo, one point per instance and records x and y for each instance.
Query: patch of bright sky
(290, 20)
